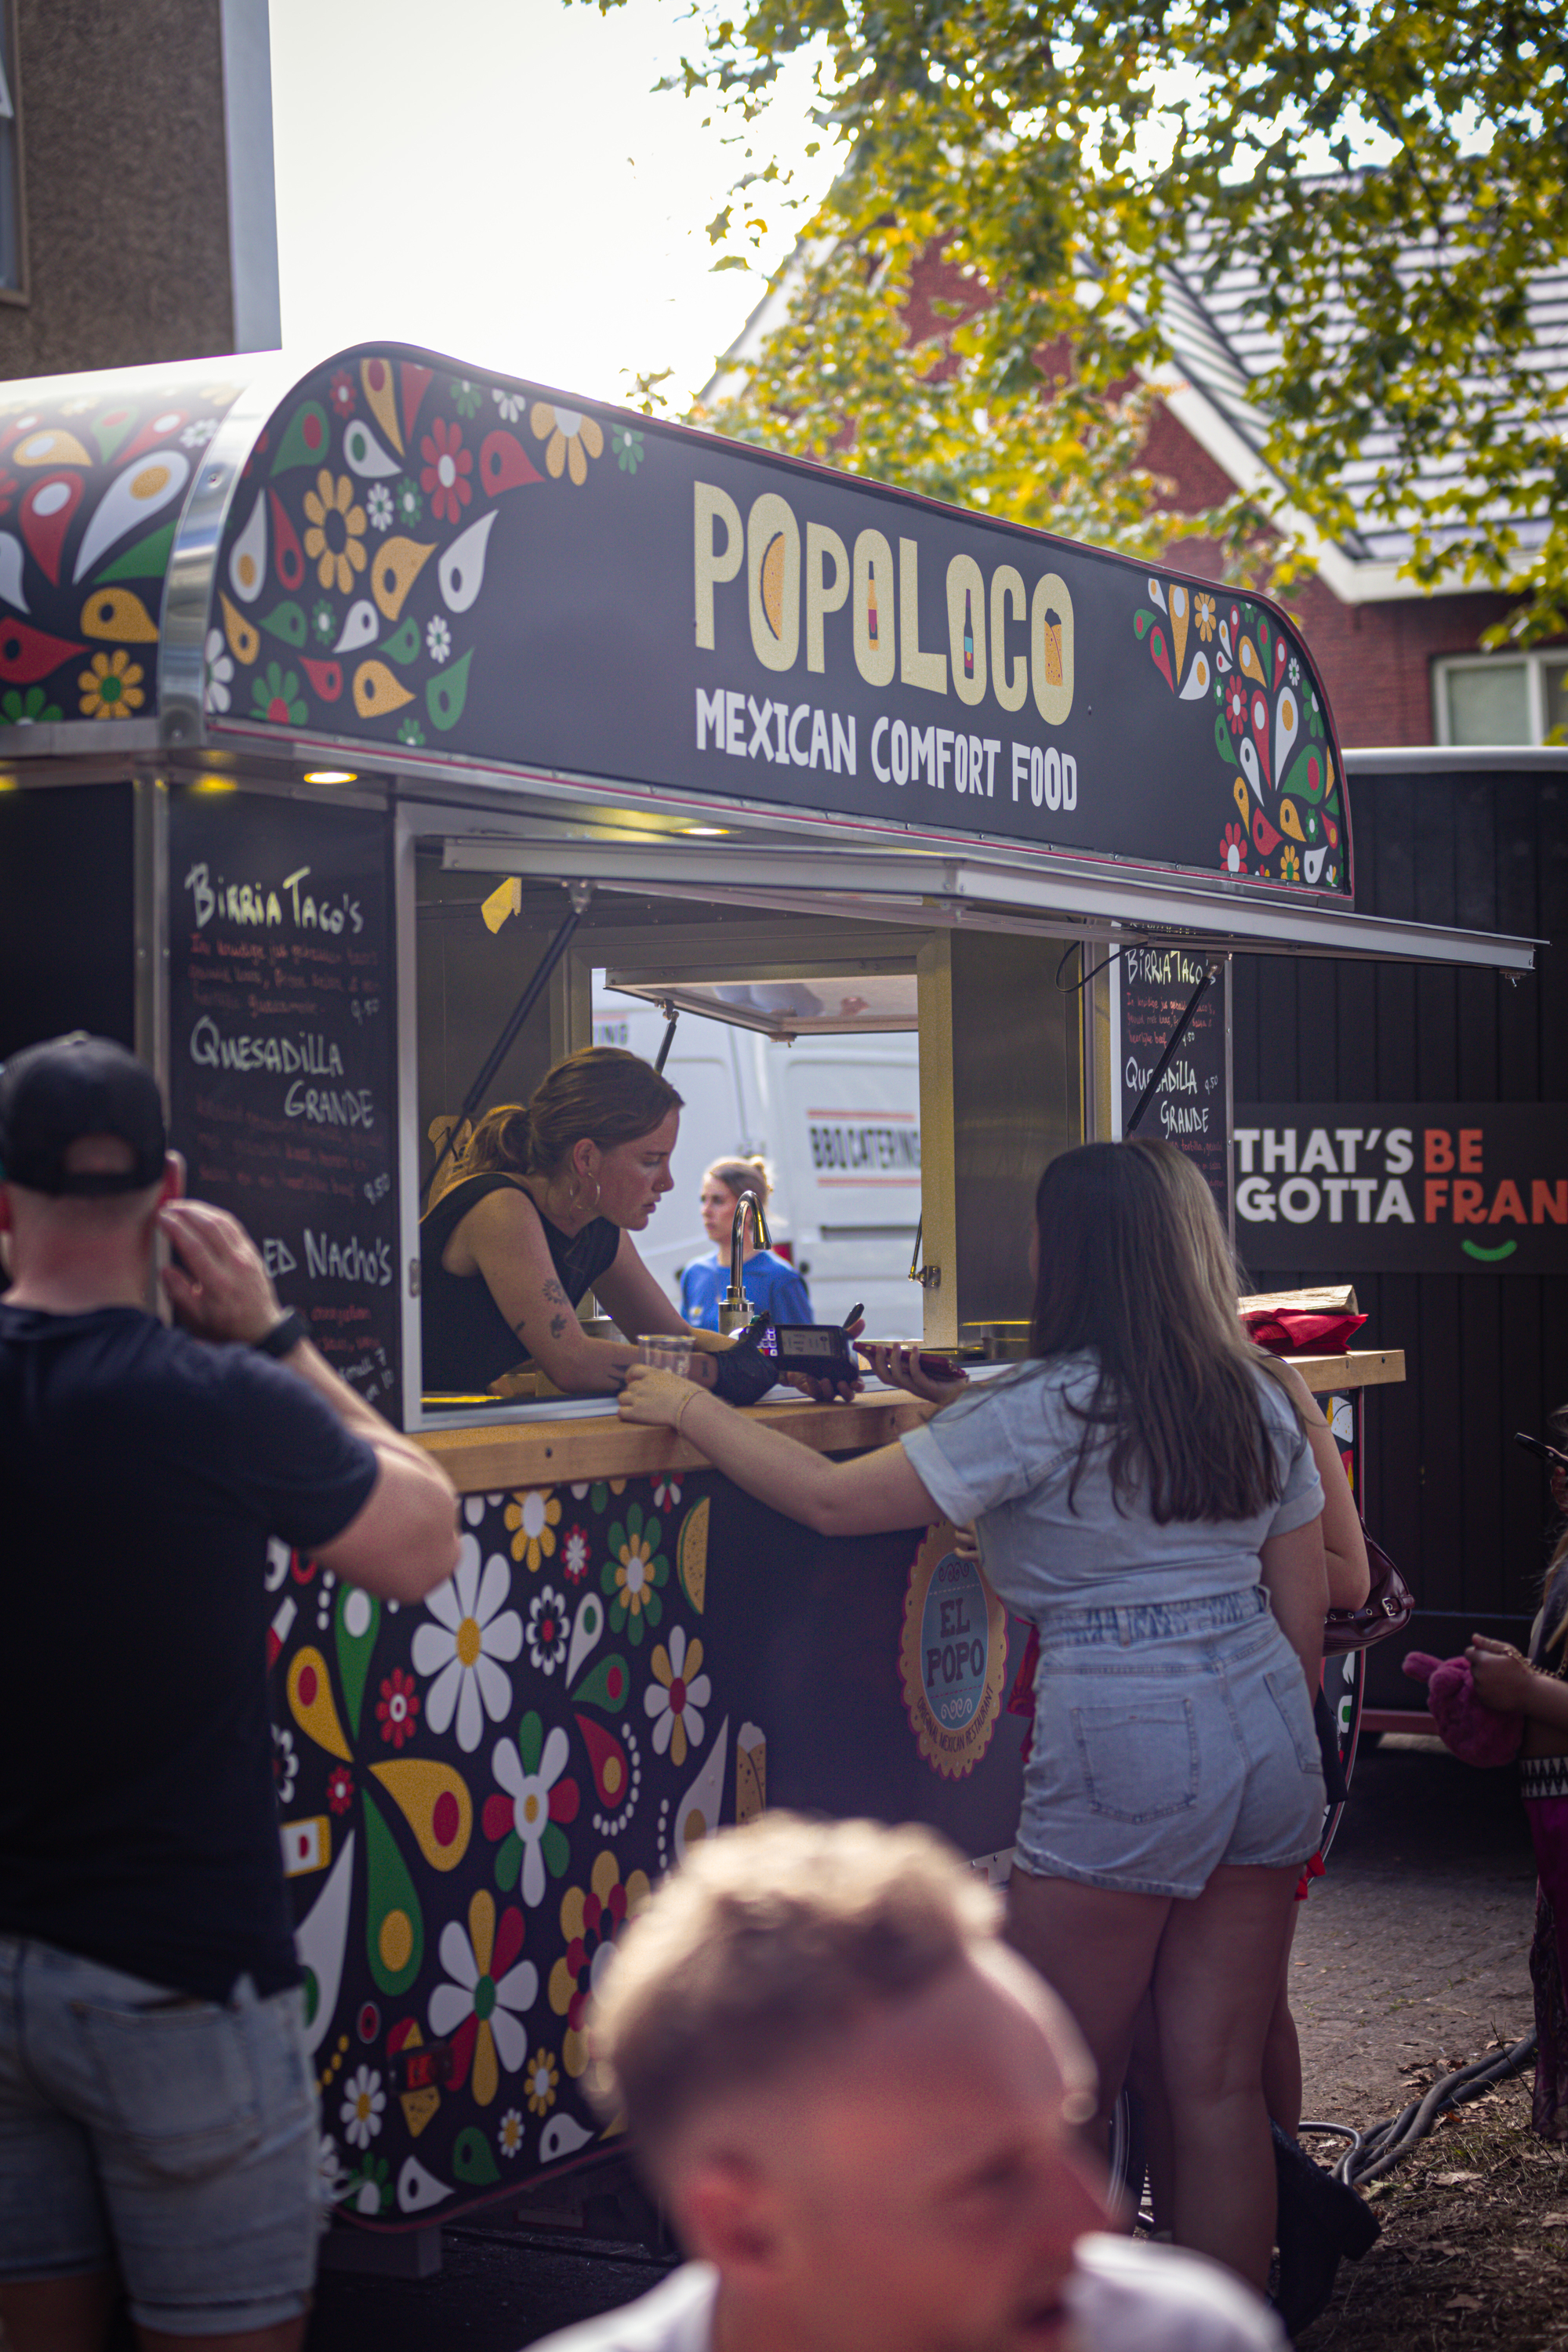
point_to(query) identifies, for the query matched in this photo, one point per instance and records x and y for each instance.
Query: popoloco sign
(1396, 1188)
(1152, 987)
(456, 566)
(281, 1089)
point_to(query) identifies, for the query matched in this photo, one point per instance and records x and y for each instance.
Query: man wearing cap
(157, 2112)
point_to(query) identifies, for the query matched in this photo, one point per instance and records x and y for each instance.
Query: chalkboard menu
(283, 1079)
(1151, 988)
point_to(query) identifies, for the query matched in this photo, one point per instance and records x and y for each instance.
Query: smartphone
(1537, 1446)
(935, 1368)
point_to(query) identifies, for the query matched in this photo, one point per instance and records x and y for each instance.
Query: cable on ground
(1380, 2147)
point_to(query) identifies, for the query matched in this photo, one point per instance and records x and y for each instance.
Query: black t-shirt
(466, 1340)
(143, 1473)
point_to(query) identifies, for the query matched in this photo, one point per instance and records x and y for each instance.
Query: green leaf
(508, 1861)
(446, 693)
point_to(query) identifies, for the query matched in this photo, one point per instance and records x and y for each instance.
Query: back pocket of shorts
(1288, 1689)
(1140, 1762)
(178, 2083)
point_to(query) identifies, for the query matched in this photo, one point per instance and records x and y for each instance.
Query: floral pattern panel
(1239, 668)
(474, 1796)
(93, 478)
(348, 596)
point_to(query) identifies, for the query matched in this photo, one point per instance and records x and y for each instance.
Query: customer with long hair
(1344, 1559)
(1319, 2221)
(1145, 1494)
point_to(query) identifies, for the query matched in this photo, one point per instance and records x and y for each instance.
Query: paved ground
(1414, 1947)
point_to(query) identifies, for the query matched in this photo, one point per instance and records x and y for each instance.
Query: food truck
(350, 722)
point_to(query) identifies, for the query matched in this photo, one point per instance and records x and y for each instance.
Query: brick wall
(125, 160)
(1376, 659)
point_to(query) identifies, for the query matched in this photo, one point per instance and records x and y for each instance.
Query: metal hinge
(413, 1277)
(927, 1276)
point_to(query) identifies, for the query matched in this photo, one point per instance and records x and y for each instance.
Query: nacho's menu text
(282, 1075)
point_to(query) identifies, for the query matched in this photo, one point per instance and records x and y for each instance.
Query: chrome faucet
(736, 1311)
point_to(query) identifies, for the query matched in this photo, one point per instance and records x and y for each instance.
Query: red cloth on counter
(1290, 1331)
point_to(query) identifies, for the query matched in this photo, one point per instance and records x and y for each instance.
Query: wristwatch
(284, 1335)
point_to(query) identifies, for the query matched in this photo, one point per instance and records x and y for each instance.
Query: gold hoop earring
(598, 1196)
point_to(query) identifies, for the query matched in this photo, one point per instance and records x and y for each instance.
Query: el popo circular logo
(953, 1657)
(953, 1646)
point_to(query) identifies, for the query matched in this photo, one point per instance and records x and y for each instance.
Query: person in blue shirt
(770, 1284)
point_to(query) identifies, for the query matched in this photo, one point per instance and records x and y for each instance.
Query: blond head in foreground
(860, 2110)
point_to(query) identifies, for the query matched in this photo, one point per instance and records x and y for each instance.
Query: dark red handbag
(1387, 1609)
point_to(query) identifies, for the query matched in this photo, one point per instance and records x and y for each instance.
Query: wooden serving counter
(539, 1446)
(1363, 1368)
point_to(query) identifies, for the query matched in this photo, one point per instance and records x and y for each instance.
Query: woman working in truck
(543, 1210)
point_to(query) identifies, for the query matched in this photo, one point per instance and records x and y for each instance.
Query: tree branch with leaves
(1070, 166)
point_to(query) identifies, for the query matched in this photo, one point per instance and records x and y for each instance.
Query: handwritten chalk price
(377, 1190)
(363, 1006)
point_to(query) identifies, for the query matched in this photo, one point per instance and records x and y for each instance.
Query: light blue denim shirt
(1004, 1453)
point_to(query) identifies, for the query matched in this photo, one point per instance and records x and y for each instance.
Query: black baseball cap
(54, 1094)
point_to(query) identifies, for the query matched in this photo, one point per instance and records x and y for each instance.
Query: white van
(837, 1120)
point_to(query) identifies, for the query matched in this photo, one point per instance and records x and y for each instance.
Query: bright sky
(499, 180)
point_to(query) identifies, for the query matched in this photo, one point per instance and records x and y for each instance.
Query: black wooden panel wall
(68, 911)
(1462, 1507)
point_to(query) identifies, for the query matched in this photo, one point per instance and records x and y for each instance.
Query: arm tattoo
(521, 1326)
(556, 1295)
(558, 1324)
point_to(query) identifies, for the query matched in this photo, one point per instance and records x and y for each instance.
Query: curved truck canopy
(430, 574)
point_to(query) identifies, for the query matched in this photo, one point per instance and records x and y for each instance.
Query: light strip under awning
(908, 887)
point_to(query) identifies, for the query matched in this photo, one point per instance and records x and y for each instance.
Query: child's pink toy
(1476, 1734)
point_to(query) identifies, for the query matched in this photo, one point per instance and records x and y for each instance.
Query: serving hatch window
(835, 1113)
(797, 1040)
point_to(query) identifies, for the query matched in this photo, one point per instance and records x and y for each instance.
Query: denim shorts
(1169, 1737)
(174, 2140)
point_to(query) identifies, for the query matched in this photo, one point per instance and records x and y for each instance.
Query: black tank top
(467, 1341)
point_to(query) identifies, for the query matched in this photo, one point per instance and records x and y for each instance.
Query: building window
(13, 244)
(1502, 698)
